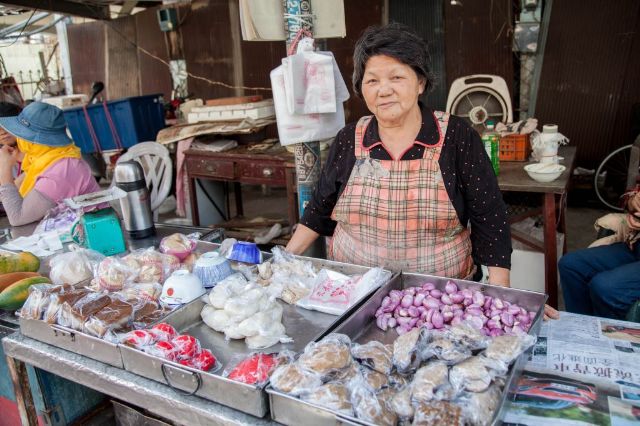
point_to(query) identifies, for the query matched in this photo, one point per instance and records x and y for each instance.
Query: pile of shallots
(426, 306)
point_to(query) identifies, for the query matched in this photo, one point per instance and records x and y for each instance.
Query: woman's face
(390, 88)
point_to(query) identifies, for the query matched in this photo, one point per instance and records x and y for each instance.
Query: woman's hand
(634, 221)
(7, 161)
(550, 313)
(499, 276)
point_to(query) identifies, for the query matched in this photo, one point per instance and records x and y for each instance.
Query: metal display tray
(302, 325)
(361, 328)
(80, 342)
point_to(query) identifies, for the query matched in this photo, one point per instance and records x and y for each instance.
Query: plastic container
(491, 141)
(515, 147)
(136, 119)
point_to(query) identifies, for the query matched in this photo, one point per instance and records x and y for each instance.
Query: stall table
(513, 178)
(274, 167)
(577, 351)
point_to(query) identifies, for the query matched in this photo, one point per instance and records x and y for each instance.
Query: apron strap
(361, 129)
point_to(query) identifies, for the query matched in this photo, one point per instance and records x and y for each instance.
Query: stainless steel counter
(118, 383)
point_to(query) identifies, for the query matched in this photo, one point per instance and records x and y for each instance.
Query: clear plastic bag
(431, 381)
(294, 380)
(374, 355)
(74, 266)
(294, 128)
(467, 335)
(508, 348)
(407, 347)
(179, 245)
(139, 339)
(333, 396)
(110, 319)
(204, 360)
(331, 354)
(437, 413)
(57, 299)
(143, 291)
(164, 331)
(76, 315)
(474, 374)
(152, 265)
(401, 403)
(60, 218)
(445, 349)
(113, 273)
(38, 300)
(255, 368)
(186, 346)
(478, 408)
(368, 406)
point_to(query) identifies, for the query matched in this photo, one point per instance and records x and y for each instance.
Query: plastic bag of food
(478, 408)
(431, 381)
(466, 334)
(57, 299)
(203, 360)
(331, 354)
(374, 355)
(262, 320)
(179, 245)
(334, 293)
(294, 380)
(152, 265)
(401, 403)
(333, 396)
(508, 347)
(38, 300)
(186, 346)
(60, 218)
(162, 349)
(110, 319)
(268, 337)
(144, 291)
(437, 413)
(74, 266)
(407, 347)
(446, 349)
(164, 331)
(255, 368)
(76, 315)
(113, 273)
(475, 374)
(226, 289)
(139, 339)
(146, 312)
(368, 406)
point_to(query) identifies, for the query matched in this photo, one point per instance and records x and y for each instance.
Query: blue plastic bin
(136, 119)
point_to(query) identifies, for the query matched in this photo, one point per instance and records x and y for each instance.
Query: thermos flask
(136, 206)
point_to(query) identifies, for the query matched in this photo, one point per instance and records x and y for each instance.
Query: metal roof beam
(127, 7)
(64, 7)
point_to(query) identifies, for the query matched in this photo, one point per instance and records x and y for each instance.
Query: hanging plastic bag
(309, 81)
(294, 129)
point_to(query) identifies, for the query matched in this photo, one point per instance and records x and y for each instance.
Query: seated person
(52, 168)
(605, 280)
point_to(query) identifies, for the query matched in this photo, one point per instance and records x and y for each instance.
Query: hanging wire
(23, 28)
(196, 77)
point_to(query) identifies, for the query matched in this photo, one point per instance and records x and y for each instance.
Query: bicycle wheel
(610, 181)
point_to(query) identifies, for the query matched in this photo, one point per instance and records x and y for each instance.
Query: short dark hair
(7, 109)
(397, 41)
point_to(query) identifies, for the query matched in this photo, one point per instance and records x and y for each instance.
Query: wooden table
(513, 178)
(274, 167)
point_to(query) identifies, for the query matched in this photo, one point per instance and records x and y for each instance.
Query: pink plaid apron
(397, 214)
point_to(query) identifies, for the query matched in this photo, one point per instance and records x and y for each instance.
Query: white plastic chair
(158, 170)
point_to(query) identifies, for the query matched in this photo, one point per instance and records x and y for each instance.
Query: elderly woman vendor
(51, 164)
(399, 188)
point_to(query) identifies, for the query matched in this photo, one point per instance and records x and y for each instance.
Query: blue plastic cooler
(135, 119)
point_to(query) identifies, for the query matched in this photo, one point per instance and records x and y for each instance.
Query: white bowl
(544, 172)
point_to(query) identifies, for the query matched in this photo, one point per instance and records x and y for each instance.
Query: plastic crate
(515, 148)
(136, 119)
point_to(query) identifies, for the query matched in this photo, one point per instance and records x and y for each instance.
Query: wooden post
(22, 389)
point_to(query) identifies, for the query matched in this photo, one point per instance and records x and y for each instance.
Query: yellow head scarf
(37, 158)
